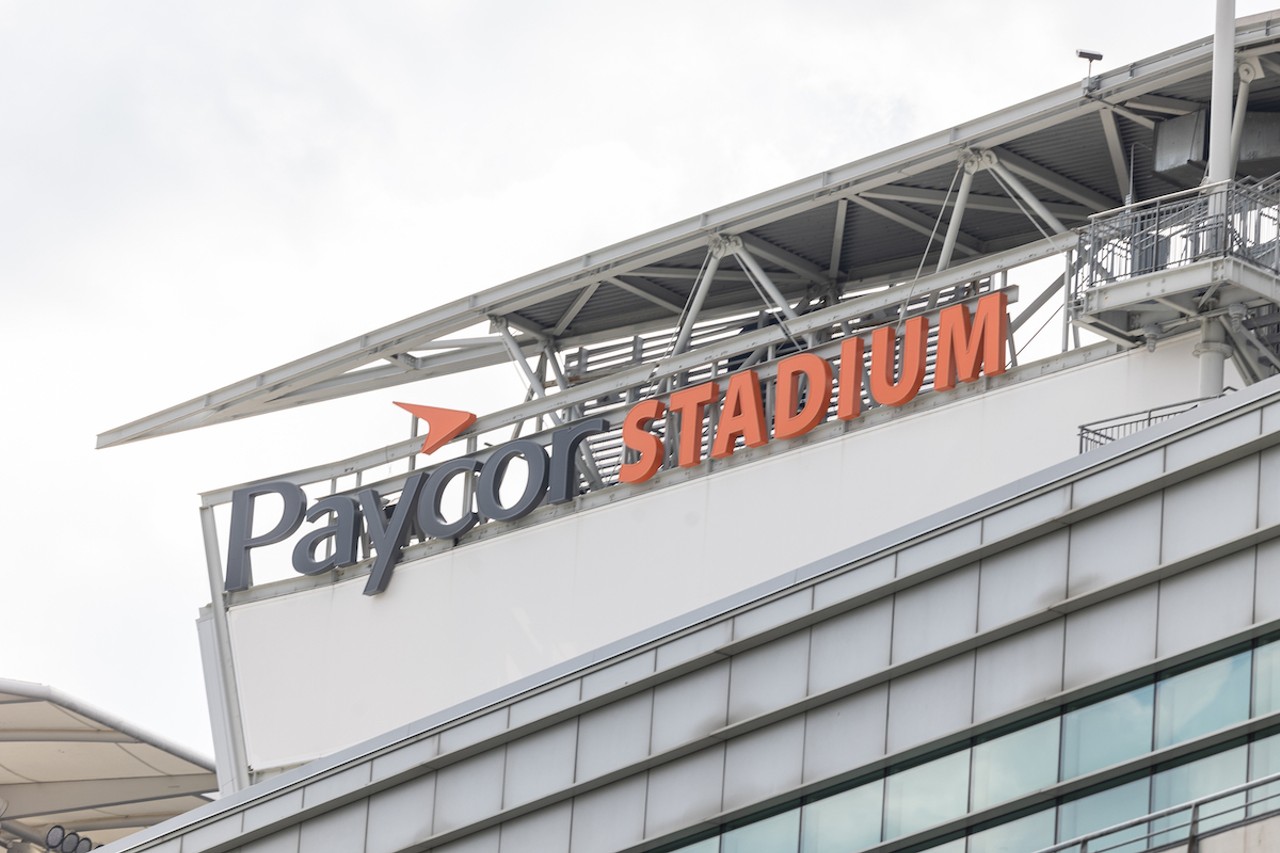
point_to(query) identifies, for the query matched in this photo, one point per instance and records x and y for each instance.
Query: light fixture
(1091, 83)
(58, 840)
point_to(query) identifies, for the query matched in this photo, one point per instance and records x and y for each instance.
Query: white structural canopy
(63, 763)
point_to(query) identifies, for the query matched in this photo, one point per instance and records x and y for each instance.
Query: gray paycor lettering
(552, 479)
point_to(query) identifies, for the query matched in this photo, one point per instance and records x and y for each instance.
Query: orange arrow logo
(443, 425)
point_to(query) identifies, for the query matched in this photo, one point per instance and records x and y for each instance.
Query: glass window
(1264, 760)
(1107, 732)
(1194, 780)
(846, 822)
(1017, 836)
(1202, 700)
(1104, 809)
(777, 834)
(707, 845)
(926, 795)
(1266, 679)
(1015, 764)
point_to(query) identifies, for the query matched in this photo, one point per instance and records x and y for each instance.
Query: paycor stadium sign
(969, 345)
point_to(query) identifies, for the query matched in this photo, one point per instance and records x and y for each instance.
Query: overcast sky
(192, 193)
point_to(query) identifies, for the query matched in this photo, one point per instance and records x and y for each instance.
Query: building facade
(798, 553)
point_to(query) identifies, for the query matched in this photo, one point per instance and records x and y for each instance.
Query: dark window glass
(1015, 764)
(926, 795)
(1190, 782)
(1017, 836)
(1202, 700)
(777, 834)
(845, 822)
(1107, 732)
(1104, 809)
(1266, 679)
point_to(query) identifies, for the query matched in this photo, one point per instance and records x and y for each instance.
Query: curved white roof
(65, 763)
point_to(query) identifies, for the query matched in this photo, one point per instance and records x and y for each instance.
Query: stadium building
(928, 503)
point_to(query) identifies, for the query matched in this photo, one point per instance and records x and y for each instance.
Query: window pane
(778, 834)
(707, 845)
(1103, 809)
(1017, 836)
(1202, 700)
(1266, 685)
(1107, 732)
(1264, 760)
(926, 795)
(1016, 764)
(1192, 781)
(846, 822)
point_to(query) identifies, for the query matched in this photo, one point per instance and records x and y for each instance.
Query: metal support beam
(586, 463)
(1212, 352)
(726, 275)
(1036, 304)
(660, 301)
(229, 700)
(1051, 180)
(909, 217)
(971, 165)
(993, 163)
(837, 239)
(526, 326)
(571, 312)
(977, 201)
(1115, 147)
(770, 289)
(1247, 73)
(1160, 104)
(787, 260)
(1140, 120)
(1224, 53)
(699, 297)
(531, 379)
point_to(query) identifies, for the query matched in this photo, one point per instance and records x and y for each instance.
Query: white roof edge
(44, 693)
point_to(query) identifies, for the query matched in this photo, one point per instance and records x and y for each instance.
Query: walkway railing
(1183, 823)
(1231, 219)
(1099, 433)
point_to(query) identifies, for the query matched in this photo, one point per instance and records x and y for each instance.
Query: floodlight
(85, 845)
(1091, 55)
(70, 842)
(54, 837)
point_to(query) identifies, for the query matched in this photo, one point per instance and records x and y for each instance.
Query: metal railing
(1100, 433)
(1234, 218)
(1182, 823)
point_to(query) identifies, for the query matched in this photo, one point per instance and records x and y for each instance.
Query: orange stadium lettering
(970, 344)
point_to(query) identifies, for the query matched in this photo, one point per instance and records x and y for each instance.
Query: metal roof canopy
(832, 236)
(65, 763)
